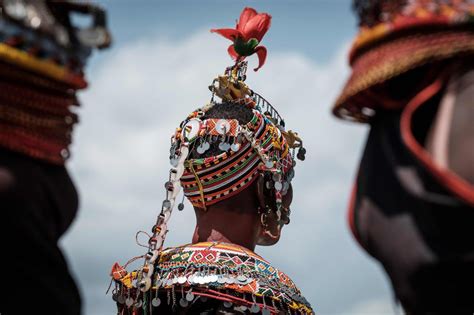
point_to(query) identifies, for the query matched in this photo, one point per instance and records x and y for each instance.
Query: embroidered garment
(223, 271)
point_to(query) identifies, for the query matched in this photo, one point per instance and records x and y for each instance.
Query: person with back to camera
(235, 162)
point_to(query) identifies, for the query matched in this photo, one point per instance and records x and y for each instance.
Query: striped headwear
(262, 144)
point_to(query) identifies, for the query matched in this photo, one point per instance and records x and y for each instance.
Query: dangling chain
(155, 243)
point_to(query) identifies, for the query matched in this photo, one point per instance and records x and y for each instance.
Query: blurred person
(42, 56)
(412, 206)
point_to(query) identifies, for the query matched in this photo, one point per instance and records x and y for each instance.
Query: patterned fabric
(40, 72)
(210, 180)
(398, 36)
(221, 267)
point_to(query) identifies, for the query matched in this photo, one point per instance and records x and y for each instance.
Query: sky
(158, 70)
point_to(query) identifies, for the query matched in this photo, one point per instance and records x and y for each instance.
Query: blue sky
(316, 28)
(157, 71)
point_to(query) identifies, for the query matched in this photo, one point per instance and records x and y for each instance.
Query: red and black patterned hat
(397, 36)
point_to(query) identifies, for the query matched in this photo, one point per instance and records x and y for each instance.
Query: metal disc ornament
(174, 162)
(129, 302)
(222, 126)
(189, 296)
(183, 302)
(224, 146)
(255, 308)
(278, 186)
(166, 204)
(156, 302)
(235, 147)
(269, 164)
(202, 148)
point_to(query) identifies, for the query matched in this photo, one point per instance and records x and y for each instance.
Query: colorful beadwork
(41, 72)
(220, 267)
(400, 38)
(223, 272)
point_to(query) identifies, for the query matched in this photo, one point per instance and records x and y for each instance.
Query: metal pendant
(206, 279)
(166, 204)
(269, 164)
(183, 302)
(278, 186)
(174, 161)
(222, 126)
(198, 279)
(189, 296)
(235, 147)
(129, 302)
(224, 146)
(156, 302)
(255, 308)
(202, 148)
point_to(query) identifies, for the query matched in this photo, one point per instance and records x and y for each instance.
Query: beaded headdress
(214, 158)
(42, 58)
(261, 145)
(396, 36)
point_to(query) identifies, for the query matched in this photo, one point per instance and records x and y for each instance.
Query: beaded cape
(236, 275)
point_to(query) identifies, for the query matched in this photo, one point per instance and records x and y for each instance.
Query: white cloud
(140, 93)
(373, 307)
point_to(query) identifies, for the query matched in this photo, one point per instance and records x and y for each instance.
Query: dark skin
(237, 220)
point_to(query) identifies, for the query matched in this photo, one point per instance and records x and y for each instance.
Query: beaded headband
(259, 145)
(40, 36)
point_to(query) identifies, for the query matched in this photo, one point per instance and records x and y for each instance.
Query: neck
(219, 224)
